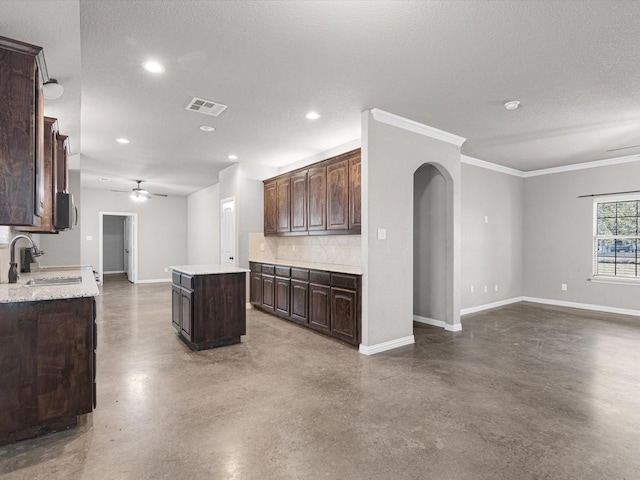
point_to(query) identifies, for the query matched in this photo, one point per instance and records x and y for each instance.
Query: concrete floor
(522, 392)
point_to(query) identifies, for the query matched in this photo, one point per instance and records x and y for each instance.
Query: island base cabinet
(210, 309)
(47, 368)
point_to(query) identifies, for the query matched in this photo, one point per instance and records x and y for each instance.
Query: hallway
(522, 392)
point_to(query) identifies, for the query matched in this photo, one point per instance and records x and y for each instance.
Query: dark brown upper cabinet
(283, 196)
(22, 193)
(338, 195)
(324, 198)
(299, 199)
(48, 172)
(270, 209)
(317, 179)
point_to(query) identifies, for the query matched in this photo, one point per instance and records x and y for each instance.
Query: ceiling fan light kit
(139, 194)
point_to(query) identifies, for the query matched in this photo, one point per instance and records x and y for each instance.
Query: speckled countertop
(21, 292)
(212, 269)
(329, 267)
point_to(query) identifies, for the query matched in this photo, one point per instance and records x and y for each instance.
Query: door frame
(101, 216)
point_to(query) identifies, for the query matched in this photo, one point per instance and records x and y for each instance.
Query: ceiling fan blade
(120, 191)
(159, 195)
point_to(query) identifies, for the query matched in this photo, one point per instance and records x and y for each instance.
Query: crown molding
(582, 166)
(415, 127)
(491, 166)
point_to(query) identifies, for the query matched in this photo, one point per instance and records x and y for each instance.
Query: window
(617, 238)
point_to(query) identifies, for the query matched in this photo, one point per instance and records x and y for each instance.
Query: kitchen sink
(49, 282)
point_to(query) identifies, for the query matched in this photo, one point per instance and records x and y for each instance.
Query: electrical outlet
(496, 287)
(564, 287)
(89, 238)
(382, 234)
(166, 269)
(486, 289)
(471, 288)
(486, 219)
(262, 247)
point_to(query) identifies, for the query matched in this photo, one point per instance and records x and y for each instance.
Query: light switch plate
(382, 234)
(89, 238)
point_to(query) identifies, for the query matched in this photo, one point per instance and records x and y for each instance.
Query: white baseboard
(546, 301)
(248, 306)
(384, 346)
(583, 306)
(113, 272)
(487, 306)
(155, 280)
(438, 323)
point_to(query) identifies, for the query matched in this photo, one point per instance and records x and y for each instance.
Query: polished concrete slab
(522, 392)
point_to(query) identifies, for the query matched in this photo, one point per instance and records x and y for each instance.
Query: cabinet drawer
(283, 272)
(175, 277)
(344, 281)
(322, 278)
(255, 267)
(300, 274)
(268, 269)
(186, 281)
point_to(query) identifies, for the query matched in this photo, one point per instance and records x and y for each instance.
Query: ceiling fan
(139, 194)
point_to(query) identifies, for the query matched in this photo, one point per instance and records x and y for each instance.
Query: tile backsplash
(330, 249)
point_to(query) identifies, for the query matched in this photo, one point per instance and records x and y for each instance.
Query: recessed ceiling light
(207, 128)
(153, 66)
(312, 115)
(232, 157)
(512, 105)
(122, 140)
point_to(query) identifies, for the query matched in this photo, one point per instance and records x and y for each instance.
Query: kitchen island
(209, 305)
(47, 352)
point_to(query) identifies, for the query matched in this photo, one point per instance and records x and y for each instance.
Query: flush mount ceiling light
(207, 128)
(122, 140)
(232, 157)
(103, 179)
(312, 116)
(153, 66)
(52, 89)
(512, 105)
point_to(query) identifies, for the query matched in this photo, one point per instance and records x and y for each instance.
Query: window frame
(595, 240)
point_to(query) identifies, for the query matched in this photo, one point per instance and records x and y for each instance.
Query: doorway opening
(430, 246)
(118, 237)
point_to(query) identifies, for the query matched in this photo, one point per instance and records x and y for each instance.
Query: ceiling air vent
(206, 106)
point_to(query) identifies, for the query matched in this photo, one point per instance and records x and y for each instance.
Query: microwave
(66, 215)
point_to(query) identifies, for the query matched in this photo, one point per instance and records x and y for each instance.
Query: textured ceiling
(447, 64)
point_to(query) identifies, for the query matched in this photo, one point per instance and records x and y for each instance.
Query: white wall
(391, 156)
(204, 226)
(491, 252)
(558, 235)
(113, 243)
(251, 214)
(162, 230)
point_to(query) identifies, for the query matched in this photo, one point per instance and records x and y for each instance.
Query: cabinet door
(47, 176)
(355, 194)
(186, 312)
(319, 307)
(283, 194)
(175, 307)
(255, 289)
(344, 318)
(299, 202)
(299, 301)
(270, 209)
(317, 198)
(282, 296)
(268, 291)
(338, 195)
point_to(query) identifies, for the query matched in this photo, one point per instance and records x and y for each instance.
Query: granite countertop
(329, 267)
(212, 269)
(21, 292)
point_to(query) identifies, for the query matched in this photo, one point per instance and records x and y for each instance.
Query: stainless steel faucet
(13, 268)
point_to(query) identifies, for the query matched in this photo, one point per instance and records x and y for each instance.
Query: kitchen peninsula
(47, 351)
(208, 305)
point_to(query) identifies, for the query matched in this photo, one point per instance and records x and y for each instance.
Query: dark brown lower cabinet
(320, 307)
(209, 310)
(47, 366)
(324, 301)
(300, 301)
